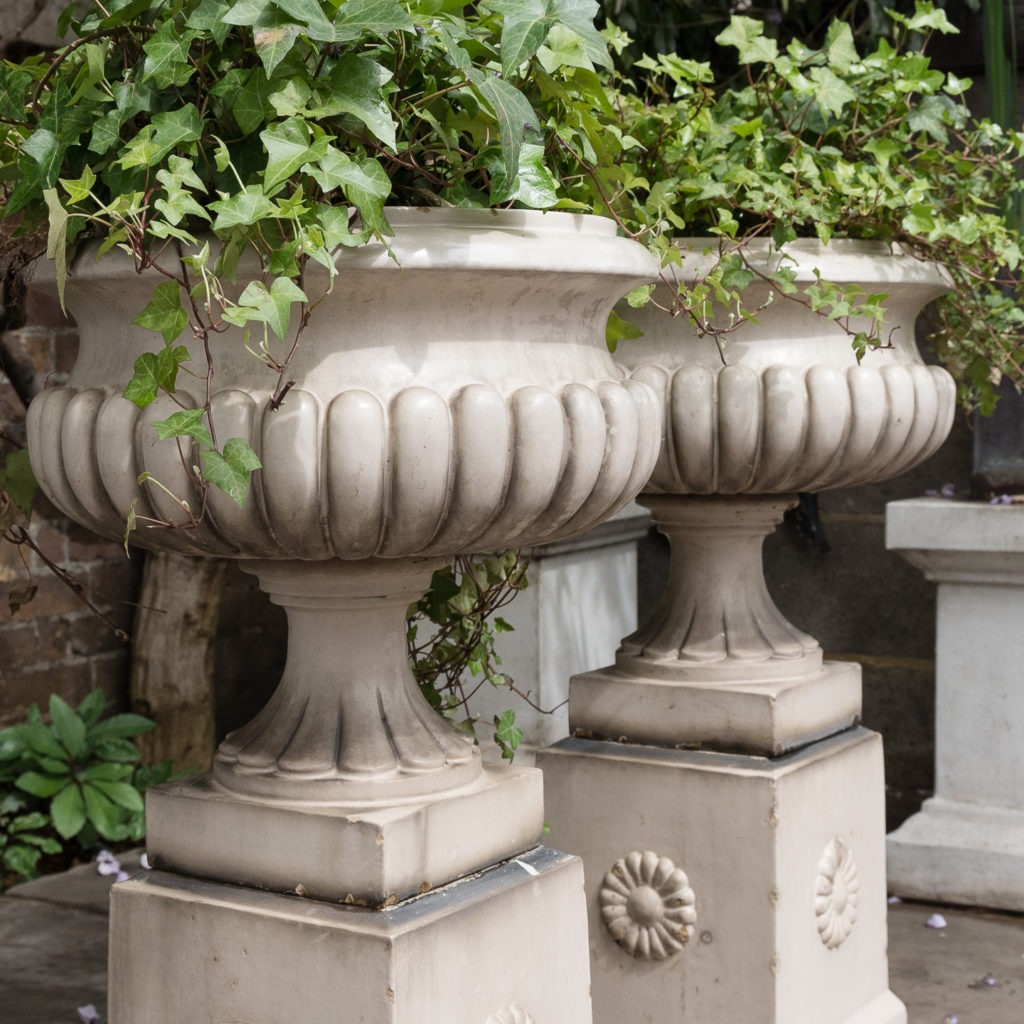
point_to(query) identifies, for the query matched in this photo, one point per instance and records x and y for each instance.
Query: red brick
(51, 542)
(54, 634)
(19, 647)
(114, 584)
(86, 546)
(89, 635)
(52, 597)
(72, 682)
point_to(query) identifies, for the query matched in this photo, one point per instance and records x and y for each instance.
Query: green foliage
(450, 635)
(74, 778)
(827, 142)
(284, 126)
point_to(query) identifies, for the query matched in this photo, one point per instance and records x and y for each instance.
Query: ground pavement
(950, 966)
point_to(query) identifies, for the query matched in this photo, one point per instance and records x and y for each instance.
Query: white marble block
(580, 599)
(966, 845)
(507, 946)
(729, 889)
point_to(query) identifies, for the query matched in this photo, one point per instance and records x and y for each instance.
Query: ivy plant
(828, 143)
(198, 135)
(450, 635)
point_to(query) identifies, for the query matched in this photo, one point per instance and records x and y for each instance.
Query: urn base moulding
(966, 844)
(453, 392)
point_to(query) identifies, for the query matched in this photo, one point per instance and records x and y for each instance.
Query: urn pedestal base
(768, 716)
(441, 958)
(725, 888)
(371, 855)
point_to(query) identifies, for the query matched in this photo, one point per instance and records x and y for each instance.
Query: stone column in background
(966, 845)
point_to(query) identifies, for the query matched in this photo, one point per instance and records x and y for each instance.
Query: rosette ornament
(452, 392)
(783, 406)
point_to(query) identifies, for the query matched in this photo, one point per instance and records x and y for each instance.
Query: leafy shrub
(75, 779)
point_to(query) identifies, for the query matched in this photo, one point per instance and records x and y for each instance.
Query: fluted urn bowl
(452, 392)
(783, 406)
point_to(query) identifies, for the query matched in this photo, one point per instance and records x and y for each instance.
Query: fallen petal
(895, 899)
(144, 861)
(89, 1014)
(935, 921)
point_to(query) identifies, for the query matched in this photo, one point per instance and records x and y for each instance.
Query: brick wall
(54, 643)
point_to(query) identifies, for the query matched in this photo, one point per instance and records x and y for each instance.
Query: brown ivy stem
(19, 535)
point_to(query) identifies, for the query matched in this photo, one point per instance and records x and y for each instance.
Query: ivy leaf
(210, 16)
(288, 148)
(56, 240)
(163, 313)
(526, 24)
(506, 734)
(45, 149)
(512, 111)
(155, 371)
(270, 306)
(617, 330)
(357, 17)
(840, 47)
(831, 92)
(231, 470)
(253, 101)
(747, 35)
(355, 88)
(167, 55)
(533, 185)
(273, 31)
(17, 480)
(930, 116)
(187, 423)
(242, 209)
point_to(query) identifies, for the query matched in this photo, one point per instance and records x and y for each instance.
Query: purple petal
(935, 921)
(89, 1014)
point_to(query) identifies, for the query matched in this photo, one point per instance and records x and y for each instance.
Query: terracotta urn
(453, 392)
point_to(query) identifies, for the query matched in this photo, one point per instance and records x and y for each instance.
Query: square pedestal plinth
(767, 717)
(960, 853)
(373, 856)
(725, 889)
(507, 946)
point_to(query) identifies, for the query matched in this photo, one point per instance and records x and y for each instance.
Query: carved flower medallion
(835, 901)
(648, 906)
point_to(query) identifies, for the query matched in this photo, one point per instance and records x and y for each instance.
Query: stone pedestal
(726, 889)
(733, 834)
(967, 843)
(185, 951)
(581, 598)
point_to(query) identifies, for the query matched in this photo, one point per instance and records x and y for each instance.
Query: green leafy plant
(74, 778)
(450, 635)
(201, 136)
(826, 143)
